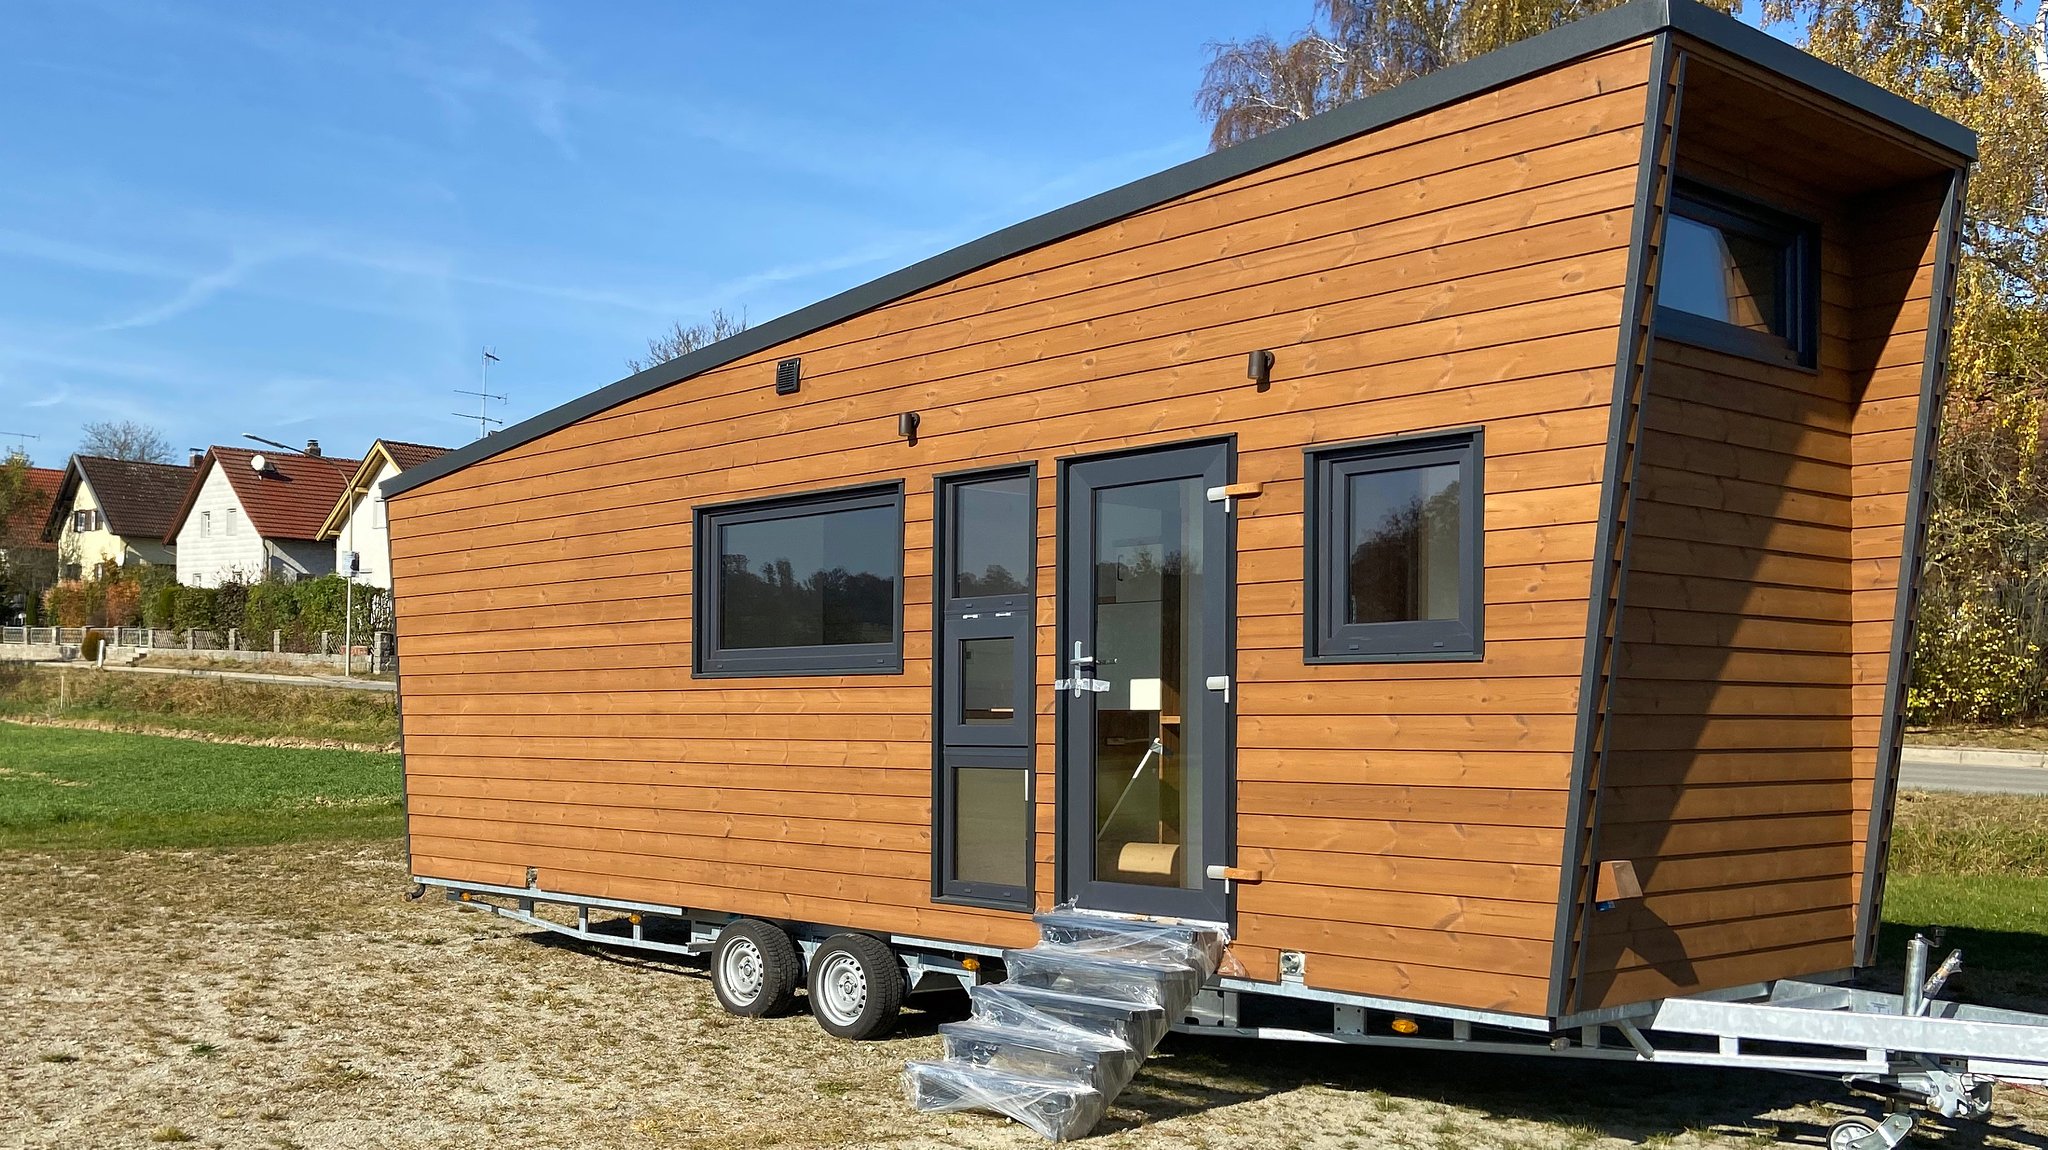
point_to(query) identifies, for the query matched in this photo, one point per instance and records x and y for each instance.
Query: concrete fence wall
(137, 644)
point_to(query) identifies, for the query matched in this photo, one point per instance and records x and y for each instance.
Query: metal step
(1136, 1025)
(1105, 1064)
(1170, 986)
(1058, 1109)
(1142, 939)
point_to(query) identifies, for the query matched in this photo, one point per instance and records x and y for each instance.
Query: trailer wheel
(754, 969)
(1849, 1133)
(856, 986)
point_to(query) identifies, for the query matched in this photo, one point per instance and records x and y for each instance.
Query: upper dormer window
(1739, 277)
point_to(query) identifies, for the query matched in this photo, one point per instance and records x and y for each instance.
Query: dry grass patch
(334, 1013)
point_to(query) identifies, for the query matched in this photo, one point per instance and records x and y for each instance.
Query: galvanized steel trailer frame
(1911, 1047)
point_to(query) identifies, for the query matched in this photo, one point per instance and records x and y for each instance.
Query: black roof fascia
(1538, 54)
(1802, 67)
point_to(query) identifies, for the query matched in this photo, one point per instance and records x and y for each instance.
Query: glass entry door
(1145, 660)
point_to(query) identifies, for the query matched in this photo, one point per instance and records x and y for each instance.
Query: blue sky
(305, 220)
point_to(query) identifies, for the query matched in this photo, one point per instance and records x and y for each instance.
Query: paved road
(1973, 771)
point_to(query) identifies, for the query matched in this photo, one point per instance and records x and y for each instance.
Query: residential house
(114, 511)
(27, 563)
(356, 524)
(255, 514)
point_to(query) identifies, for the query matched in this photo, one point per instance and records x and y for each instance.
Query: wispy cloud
(197, 291)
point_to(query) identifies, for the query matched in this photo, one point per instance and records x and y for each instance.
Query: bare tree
(1354, 48)
(125, 439)
(680, 341)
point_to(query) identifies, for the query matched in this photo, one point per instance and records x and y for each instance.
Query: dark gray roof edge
(1802, 67)
(1596, 33)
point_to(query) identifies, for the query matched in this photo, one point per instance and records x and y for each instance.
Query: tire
(755, 969)
(856, 987)
(1846, 1133)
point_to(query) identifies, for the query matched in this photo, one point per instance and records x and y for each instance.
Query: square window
(1394, 538)
(809, 585)
(1738, 277)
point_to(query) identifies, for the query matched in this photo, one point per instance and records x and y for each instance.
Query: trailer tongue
(1912, 1047)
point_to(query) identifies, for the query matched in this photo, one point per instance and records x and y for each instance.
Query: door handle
(1219, 683)
(1080, 679)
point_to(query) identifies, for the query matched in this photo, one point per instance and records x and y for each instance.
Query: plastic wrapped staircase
(1079, 1013)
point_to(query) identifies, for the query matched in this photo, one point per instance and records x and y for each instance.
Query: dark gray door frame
(1214, 464)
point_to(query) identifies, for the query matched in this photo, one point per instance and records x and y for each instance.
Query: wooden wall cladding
(1462, 267)
(1763, 575)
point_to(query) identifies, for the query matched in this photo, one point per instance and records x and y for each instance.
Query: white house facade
(254, 516)
(357, 524)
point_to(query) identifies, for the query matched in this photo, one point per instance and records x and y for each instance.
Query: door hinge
(1227, 495)
(1233, 874)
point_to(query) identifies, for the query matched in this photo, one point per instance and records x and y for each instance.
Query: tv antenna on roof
(484, 418)
(21, 439)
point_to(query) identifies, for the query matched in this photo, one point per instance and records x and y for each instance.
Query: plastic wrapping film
(1073, 1021)
(1206, 945)
(1058, 1110)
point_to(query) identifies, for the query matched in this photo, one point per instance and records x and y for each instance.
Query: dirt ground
(288, 997)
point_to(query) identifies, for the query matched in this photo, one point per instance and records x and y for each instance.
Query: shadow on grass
(2007, 969)
(1585, 1100)
(1636, 1103)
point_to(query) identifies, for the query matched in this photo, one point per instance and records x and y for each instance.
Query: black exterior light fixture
(789, 376)
(906, 426)
(1259, 368)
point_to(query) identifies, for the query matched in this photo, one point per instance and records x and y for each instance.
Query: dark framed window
(1394, 540)
(1739, 277)
(806, 585)
(985, 542)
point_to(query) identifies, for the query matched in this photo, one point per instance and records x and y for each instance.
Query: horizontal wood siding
(1762, 577)
(1460, 268)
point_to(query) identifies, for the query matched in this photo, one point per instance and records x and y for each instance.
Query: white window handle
(1219, 683)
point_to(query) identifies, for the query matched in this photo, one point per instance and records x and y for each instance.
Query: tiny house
(1461, 546)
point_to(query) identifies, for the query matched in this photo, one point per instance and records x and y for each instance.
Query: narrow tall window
(1738, 277)
(1394, 539)
(229, 516)
(205, 524)
(802, 586)
(986, 543)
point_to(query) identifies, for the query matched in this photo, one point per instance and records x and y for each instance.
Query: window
(803, 586)
(986, 541)
(1393, 550)
(377, 511)
(1739, 277)
(205, 524)
(84, 521)
(229, 515)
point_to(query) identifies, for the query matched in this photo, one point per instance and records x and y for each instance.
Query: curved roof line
(1538, 54)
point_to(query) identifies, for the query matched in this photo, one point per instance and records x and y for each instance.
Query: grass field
(274, 990)
(226, 708)
(92, 789)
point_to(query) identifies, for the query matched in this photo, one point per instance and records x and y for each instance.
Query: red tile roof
(25, 527)
(139, 500)
(288, 500)
(410, 455)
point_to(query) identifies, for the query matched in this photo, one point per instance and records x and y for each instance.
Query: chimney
(312, 447)
(198, 457)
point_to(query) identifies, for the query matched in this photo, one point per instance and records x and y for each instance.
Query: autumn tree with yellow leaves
(1982, 652)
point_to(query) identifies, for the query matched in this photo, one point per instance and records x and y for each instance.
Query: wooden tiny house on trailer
(1395, 539)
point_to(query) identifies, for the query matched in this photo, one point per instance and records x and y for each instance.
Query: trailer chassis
(1910, 1048)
